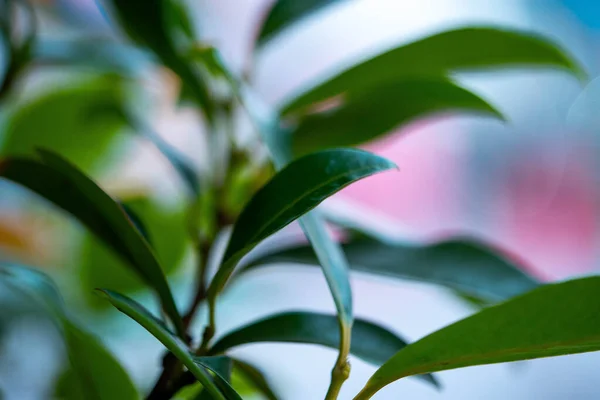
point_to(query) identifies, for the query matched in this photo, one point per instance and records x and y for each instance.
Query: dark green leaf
(155, 327)
(368, 115)
(221, 367)
(68, 188)
(371, 343)
(459, 264)
(284, 13)
(463, 49)
(79, 122)
(167, 235)
(295, 190)
(331, 257)
(553, 320)
(93, 374)
(136, 221)
(153, 28)
(256, 377)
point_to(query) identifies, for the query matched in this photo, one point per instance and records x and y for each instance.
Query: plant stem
(200, 295)
(341, 369)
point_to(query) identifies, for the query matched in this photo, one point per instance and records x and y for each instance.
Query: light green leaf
(465, 49)
(284, 13)
(68, 188)
(370, 342)
(79, 122)
(458, 264)
(256, 378)
(155, 327)
(292, 192)
(553, 320)
(365, 116)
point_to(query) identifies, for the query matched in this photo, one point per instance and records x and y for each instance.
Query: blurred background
(530, 186)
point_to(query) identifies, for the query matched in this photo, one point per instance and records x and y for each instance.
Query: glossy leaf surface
(157, 329)
(464, 49)
(556, 319)
(292, 192)
(371, 114)
(370, 342)
(221, 366)
(458, 264)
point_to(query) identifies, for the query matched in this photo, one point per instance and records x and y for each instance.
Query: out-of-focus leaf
(462, 49)
(552, 320)
(68, 188)
(371, 343)
(458, 264)
(284, 13)
(166, 233)
(99, 54)
(136, 221)
(256, 377)
(37, 284)
(78, 122)
(365, 116)
(221, 367)
(292, 192)
(153, 28)
(93, 373)
(155, 327)
(181, 165)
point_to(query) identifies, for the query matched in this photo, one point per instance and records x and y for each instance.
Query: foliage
(53, 142)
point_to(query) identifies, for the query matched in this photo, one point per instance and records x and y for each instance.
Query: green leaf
(34, 283)
(155, 327)
(331, 257)
(256, 377)
(166, 233)
(371, 343)
(221, 367)
(465, 49)
(365, 116)
(292, 192)
(79, 122)
(179, 162)
(68, 188)
(552, 320)
(94, 373)
(284, 13)
(459, 264)
(154, 29)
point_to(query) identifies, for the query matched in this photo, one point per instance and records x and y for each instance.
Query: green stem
(341, 369)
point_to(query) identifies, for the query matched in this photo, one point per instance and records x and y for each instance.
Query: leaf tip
(102, 293)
